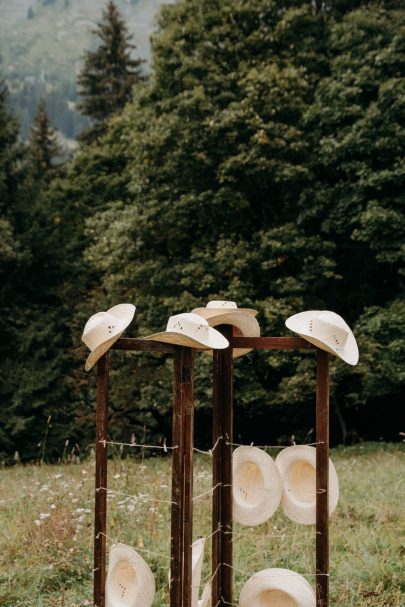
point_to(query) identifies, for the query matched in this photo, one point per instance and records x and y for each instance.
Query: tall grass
(46, 529)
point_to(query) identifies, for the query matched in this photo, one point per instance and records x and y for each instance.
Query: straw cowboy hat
(227, 313)
(197, 557)
(206, 600)
(190, 330)
(130, 582)
(277, 588)
(257, 486)
(196, 564)
(297, 467)
(104, 328)
(328, 331)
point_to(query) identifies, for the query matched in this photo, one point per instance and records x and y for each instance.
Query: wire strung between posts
(135, 497)
(278, 574)
(164, 447)
(217, 530)
(271, 535)
(211, 576)
(196, 497)
(110, 539)
(268, 489)
(274, 446)
(228, 603)
(210, 451)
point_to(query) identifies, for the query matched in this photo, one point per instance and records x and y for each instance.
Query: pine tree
(44, 146)
(109, 73)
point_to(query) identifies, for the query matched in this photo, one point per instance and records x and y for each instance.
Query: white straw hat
(206, 597)
(130, 582)
(297, 467)
(277, 588)
(197, 563)
(256, 486)
(190, 330)
(328, 331)
(227, 313)
(103, 329)
(197, 557)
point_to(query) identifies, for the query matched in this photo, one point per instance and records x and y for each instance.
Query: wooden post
(100, 516)
(222, 473)
(322, 479)
(182, 478)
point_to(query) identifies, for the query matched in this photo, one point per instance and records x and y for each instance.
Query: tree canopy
(261, 163)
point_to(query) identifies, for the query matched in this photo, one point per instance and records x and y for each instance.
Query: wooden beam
(270, 343)
(222, 558)
(131, 344)
(182, 478)
(322, 479)
(100, 516)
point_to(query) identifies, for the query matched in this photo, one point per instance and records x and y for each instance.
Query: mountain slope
(42, 45)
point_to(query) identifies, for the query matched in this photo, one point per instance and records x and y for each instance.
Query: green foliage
(264, 168)
(109, 73)
(262, 164)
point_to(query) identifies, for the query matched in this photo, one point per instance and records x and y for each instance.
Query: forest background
(261, 161)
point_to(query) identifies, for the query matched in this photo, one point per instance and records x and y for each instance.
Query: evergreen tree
(110, 72)
(44, 146)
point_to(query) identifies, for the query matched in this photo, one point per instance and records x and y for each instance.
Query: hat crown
(188, 324)
(331, 327)
(221, 304)
(100, 327)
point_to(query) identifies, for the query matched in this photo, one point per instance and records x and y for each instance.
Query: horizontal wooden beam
(131, 344)
(271, 343)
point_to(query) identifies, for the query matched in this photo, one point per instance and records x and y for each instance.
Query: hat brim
(205, 600)
(208, 313)
(266, 491)
(288, 585)
(300, 510)
(145, 582)
(96, 354)
(197, 563)
(246, 324)
(215, 340)
(124, 314)
(298, 323)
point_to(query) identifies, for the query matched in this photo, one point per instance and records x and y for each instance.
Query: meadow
(46, 523)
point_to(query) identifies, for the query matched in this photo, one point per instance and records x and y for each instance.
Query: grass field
(46, 525)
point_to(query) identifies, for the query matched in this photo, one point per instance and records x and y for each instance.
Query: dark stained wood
(322, 479)
(100, 518)
(188, 444)
(182, 478)
(130, 344)
(271, 343)
(142, 345)
(222, 472)
(176, 573)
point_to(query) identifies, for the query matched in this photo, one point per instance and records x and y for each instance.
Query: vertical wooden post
(182, 478)
(222, 473)
(100, 516)
(322, 479)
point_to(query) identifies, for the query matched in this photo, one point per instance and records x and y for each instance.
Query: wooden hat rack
(182, 465)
